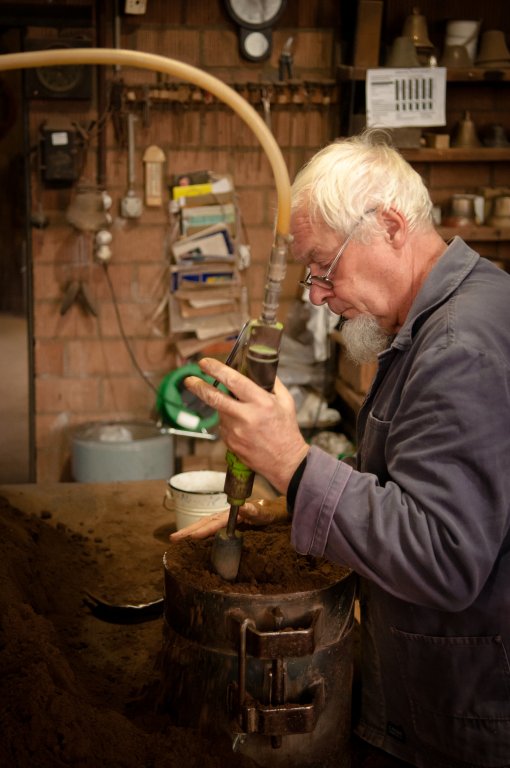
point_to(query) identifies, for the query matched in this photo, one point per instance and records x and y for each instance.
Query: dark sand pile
(73, 689)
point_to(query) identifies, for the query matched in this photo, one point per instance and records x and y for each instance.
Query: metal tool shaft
(232, 520)
(259, 363)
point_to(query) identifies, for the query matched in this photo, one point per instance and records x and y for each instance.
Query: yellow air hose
(125, 58)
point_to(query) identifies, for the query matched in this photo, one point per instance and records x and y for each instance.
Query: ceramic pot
(455, 56)
(402, 53)
(493, 50)
(495, 137)
(463, 32)
(465, 134)
(500, 216)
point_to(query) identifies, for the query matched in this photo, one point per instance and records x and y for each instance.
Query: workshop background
(81, 367)
(76, 690)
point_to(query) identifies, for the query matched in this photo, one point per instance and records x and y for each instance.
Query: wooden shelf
(459, 75)
(476, 234)
(456, 155)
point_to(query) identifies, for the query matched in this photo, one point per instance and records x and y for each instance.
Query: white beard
(364, 338)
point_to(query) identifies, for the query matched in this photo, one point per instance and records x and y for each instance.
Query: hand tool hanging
(131, 205)
(265, 97)
(286, 61)
(86, 213)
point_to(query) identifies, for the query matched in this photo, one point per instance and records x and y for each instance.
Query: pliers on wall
(77, 292)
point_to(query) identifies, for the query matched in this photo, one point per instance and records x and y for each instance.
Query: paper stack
(206, 291)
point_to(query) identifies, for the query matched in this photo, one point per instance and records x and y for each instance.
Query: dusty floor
(73, 688)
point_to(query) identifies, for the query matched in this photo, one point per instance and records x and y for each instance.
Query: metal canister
(272, 673)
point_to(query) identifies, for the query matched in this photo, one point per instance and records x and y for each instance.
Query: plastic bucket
(197, 494)
(117, 451)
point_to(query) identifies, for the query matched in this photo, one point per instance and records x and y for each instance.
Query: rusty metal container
(271, 673)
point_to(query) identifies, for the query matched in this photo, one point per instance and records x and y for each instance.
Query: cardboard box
(358, 377)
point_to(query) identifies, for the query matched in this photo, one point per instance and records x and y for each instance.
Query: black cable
(123, 333)
(125, 339)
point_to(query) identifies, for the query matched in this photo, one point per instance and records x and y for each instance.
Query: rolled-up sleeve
(310, 531)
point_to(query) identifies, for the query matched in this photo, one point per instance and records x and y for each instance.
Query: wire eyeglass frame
(325, 281)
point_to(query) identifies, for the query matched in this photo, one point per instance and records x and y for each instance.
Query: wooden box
(358, 377)
(367, 40)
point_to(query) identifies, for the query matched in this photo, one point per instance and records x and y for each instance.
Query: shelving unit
(457, 155)
(351, 82)
(458, 75)
(476, 234)
(482, 91)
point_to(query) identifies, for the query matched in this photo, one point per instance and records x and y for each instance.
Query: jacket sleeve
(431, 534)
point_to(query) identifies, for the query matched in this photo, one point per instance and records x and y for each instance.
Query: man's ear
(395, 226)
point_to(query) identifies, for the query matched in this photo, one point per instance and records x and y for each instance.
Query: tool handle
(259, 363)
(238, 482)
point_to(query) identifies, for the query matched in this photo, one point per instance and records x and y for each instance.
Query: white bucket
(196, 495)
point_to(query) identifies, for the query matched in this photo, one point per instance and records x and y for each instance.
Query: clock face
(69, 81)
(255, 45)
(255, 14)
(60, 80)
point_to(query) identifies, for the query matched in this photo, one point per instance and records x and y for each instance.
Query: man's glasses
(325, 281)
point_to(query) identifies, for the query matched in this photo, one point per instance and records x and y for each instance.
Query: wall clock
(58, 82)
(255, 19)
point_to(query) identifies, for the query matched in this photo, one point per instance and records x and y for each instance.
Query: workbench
(125, 528)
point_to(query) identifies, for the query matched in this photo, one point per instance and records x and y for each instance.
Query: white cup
(197, 494)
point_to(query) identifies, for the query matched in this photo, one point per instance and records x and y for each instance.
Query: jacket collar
(445, 277)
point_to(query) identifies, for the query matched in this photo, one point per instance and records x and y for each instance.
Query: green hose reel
(181, 408)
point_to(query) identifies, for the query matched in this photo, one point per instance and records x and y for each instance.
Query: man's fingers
(210, 395)
(241, 386)
(283, 394)
(264, 511)
(255, 512)
(203, 528)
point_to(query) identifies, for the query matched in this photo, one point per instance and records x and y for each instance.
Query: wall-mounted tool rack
(315, 94)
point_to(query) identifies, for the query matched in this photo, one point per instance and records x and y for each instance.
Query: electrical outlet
(135, 6)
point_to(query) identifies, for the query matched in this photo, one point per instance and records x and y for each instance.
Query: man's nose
(320, 294)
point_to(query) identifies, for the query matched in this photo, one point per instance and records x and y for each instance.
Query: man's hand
(259, 512)
(259, 427)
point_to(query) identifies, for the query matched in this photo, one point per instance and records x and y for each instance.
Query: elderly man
(424, 519)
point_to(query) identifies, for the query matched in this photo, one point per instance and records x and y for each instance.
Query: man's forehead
(302, 224)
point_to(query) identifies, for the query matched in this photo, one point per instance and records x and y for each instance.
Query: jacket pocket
(458, 690)
(373, 448)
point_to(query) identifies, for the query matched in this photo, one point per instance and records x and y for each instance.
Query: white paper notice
(400, 97)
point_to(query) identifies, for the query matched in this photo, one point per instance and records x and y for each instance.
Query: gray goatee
(364, 338)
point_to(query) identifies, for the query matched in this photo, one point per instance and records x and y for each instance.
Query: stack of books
(207, 300)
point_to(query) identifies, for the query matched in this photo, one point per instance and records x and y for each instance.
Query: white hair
(353, 176)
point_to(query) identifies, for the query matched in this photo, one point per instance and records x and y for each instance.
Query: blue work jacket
(424, 520)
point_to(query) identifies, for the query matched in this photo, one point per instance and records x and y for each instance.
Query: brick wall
(83, 371)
